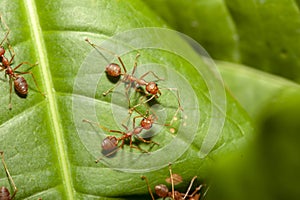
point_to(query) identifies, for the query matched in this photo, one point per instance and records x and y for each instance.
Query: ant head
(113, 70)
(109, 143)
(2, 51)
(146, 123)
(161, 190)
(152, 88)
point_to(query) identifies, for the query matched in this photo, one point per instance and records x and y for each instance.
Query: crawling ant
(111, 145)
(4, 192)
(114, 70)
(20, 83)
(162, 190)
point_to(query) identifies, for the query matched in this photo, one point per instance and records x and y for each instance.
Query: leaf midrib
(38, 42)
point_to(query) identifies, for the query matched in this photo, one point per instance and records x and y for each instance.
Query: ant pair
(110, 144)
(20, 83)
(4, 192)
(162, 190)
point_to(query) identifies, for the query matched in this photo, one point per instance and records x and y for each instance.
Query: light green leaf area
(46, 155)
(254, 89)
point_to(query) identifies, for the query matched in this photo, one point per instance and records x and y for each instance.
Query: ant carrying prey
(4, 192)
(20, 83)
(162, 190)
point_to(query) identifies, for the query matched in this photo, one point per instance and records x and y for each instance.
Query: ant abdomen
(21, 86)
(113, 70)
(4, 194)
(161, 190)
(109, 143)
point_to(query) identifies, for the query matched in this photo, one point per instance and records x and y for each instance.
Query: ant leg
(135, 64)
(148, 186)
(11, 52)
(146, 141)
(127, 94)
(189, 188)
(9, 176)
(138, 148)
(172, 181)
(179, 104)
(110, 52)
(137, 105)
(134, 119)
(196, 190)
(104, 128)
(147, 73)
(7, 28)
(112, 88)
(10, 93)
(26, 63)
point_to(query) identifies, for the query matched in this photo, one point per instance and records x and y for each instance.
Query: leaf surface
(46, 156)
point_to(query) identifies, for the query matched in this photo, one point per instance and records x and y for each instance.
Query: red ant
(162, 190)
(20, 84)
(111, 143)
(114, 70)
(4, 192)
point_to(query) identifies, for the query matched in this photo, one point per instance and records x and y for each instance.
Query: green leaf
(208, 22)
(45, 151)
(254, 89)
(260, 34)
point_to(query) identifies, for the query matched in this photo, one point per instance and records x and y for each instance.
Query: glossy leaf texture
(261, 34)
(44, 153)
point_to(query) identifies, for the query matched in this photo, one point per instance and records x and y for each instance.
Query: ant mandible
(162, 190)
(20, 83)
(4, 192)
(114, 70)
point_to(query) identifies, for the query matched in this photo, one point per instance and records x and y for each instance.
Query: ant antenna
(148, 186)
(190, 186)
(172, 181)
(7, 28)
